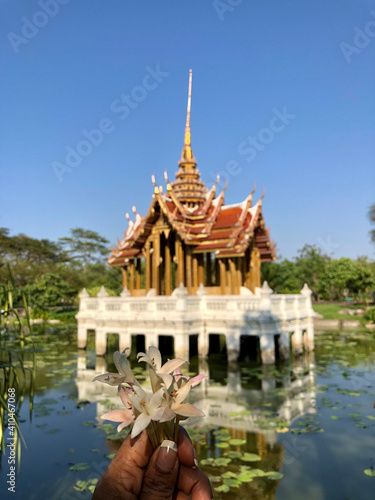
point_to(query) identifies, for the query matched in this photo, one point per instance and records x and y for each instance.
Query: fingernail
(167, 456)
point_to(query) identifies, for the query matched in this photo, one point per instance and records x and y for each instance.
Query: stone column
(284, 345)
(233, 345)
(81, 360)
(181, 345)
(124, 341)
(297, 341)
(267, 349)
(203, 344)
(309, 335)
(100, 342)
(82, 336)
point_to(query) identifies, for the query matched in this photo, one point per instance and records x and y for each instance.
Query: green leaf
(79, 467)
(222, 489)
(233, 454)
(369, 472)
(274, 475)
(335, 417)
(371, 417)
(250, 457)
(245, 477)
(111, 456)
(228, 475)
(237, 442)
(222, 444)
(233, 483)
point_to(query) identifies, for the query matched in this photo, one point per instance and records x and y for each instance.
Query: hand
(137, 471)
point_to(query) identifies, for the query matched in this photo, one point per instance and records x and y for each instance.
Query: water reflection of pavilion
(223, 403)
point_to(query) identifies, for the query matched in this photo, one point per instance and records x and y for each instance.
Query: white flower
(183, 409)
(163, 372)
(148, 408)
(123, 416)
(124, 375)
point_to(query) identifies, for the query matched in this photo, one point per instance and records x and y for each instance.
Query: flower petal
(167, 415)
(157, 400)
(197, 379)
(171, 365)
(123, 367)
(110, 378)
(140, 424)
(118, 416)
(124, 395)
(187, 410)
(122, 426)
(155, 356)
(182, 393)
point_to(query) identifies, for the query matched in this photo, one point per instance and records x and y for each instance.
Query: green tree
(311, 264)
(49, 290)
(345, 277)
(282, 277)
(85, 246)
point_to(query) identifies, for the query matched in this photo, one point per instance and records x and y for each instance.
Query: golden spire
(187, 153)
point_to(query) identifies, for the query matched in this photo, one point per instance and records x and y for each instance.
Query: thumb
(160, 478)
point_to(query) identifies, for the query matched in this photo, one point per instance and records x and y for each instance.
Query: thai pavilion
(190, 236)
(191, 272)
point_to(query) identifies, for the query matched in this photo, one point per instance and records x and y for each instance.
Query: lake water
(299, 430)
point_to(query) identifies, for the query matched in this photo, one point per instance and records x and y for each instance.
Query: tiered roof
(199, 217)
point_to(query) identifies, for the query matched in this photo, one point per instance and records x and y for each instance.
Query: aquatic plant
(159, 412)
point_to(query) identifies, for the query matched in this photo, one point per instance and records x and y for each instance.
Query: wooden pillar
(254, 272)
(156, 264)
(217, 271)
(168, 268)
(138, 274)
(208, 269)
(180, 263)
(200, 269)
(189, 270)
(124, 277)
(222, 277)
(233, 277)
(148, 266)
(195, 270)
(238, 262)
(131, 276)
(228, 280)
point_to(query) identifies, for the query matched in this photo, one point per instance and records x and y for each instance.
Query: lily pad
(369, 472)
(274, 475)
(237, 442)
(79, 467)
(250, 457)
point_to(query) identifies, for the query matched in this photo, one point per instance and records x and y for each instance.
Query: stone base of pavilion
(278, 321)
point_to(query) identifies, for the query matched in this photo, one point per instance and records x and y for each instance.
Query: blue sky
(78, 65)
